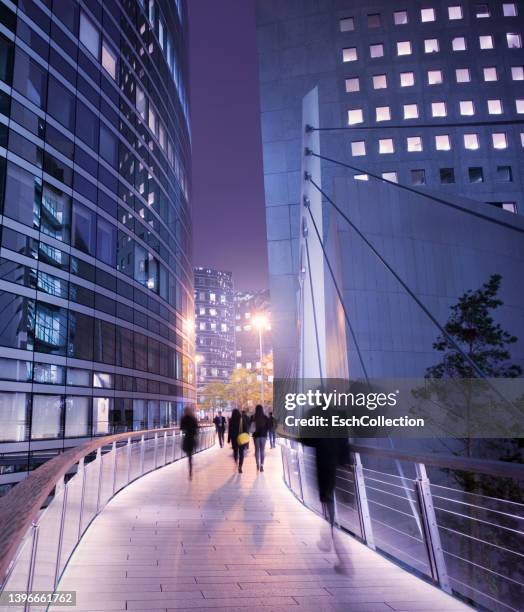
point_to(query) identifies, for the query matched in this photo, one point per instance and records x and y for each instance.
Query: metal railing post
(32, 562)
(165, 448)
(61, 531)
(156, 449)
(297, 456)
(362, 503)
(113, 450)
(99, 492)
(128, 455)
(174, 447)
(432, 541)
(142, 454)
(81, 470)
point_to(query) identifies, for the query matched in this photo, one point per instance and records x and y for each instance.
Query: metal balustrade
(468, 544)
(36, 544)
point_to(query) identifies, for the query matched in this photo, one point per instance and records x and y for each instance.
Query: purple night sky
(228, 194)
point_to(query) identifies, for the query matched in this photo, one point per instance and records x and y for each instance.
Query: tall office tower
(214, 326)
(252, 329)
(96, 289)
(426, 95)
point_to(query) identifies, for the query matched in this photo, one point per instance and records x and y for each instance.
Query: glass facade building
(96, 281)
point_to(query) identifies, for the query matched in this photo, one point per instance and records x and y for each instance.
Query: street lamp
(261, 323)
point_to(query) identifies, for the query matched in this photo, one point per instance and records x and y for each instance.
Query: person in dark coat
(272, 429)
(189, 427)
(220, 426)
(261, 423)
(238, 423)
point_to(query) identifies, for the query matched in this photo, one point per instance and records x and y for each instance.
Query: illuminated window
(380, 81)
(400, 17)
(347, 24)
(438, 109)
(509, 9)
(349, 54)
(418, 177)
(494, 107)
(517, 73)
(442, 142)
(435, 77)
(447, 175)
(486, 41)
(376, 50)
(476, 175)
(467, 108)
(519, 105)
(482, 11)
(109, 60)
(431, 45)
(374, 20)
(390, 176)
(352, 84)
(361, 177)
(414, 144)
(383, 113)
(141, 102)
(471, 142)
(490, 74)
(522, 139)
(358, 148)
(455, 12)
(407, 79)
(509, 206)
(462, 75)
(355, 116)
(404, 47)
(385, 145)
(458, 43)
(499, 140)
(514, 40)
(427, 14)
(410, 111)
(89, 35)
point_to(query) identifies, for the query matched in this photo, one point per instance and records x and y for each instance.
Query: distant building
(248, 306)
(214, 326)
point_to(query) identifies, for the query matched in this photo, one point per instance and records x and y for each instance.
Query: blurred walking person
(238, 436)
(220, 426)
(261, 428)
(189, 427)
(272, 430)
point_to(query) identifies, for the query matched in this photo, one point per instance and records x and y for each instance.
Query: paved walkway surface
(229, 542)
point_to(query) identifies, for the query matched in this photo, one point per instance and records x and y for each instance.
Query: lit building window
(466, 108)
(404, 47)
(471, 142)
(383, 113)
(390, 176)
(418, 177)
(514, 40)
(212, 297)
(352, 84)
(109, 60)
(442, 142)
(407, 79)
(509, 9)
(361, 177)
(414, 144)
(490, 74)
(438, 109)
(462, 75)
(519, 105)
(435, 77)
(385, 145)
(517, 73)
(374, 20)
(522, 139)
(458, 43)
(349, 54)
(447, 175)
(410, 111)
(476, 175)
(427, 14)
(376, 50)
(431, 45)
(380, 81)
(482, 11)
(509, 206)
(494, 107)
(486, 41)
(358, 148)
(499, 140)
(455, 12)
(355, 116)
(347, 24)
(400, 17)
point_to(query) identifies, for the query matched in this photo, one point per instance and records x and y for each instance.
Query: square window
(418, 177)
(410, 111)
(442, 142)
(490, 74)
(414, 144)
(400, 17)
(486, 41)
(380, 81)
(438, 109)
(458, 43)
(482, 11)
(355, 116)
(427, 14)
(467, 109)
(517, 73)
(385, 145)
(404, 47)
(383, 113)
(476, 175)
(358, 148)
(352, 84)
(514, 40)
(349, 54)
(494, 107)
(519, 105)
(374, 20)
(407, 79)
(504, 174)
(390, 176)
(509, 206)
(347, 24)
(435, 77)
(431, 45)
(463, 75)
(455, 12)
(447, 175)
(376, 50)
(509, 9)
(471, 142)
(499, 140)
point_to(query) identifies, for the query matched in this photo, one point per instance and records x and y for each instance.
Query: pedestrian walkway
(229, 542)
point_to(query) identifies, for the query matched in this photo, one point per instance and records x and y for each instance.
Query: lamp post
(260, 322)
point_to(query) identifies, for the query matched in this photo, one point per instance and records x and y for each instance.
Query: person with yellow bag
(238, 435)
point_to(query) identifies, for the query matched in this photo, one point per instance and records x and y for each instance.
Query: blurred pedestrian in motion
(260, 432)
(220, 426)
(238, 436)
(189, 427)
(272, 429)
